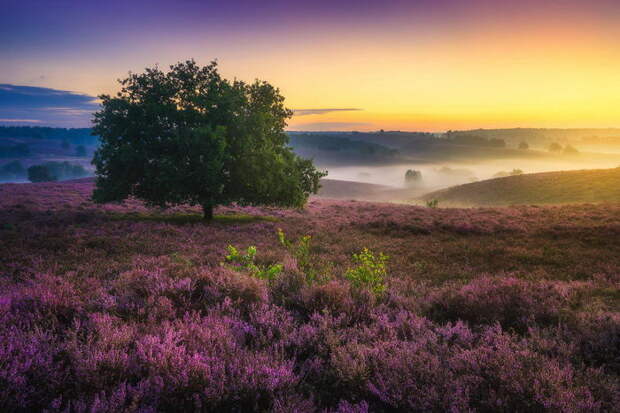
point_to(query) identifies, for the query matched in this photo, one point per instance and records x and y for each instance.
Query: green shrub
(301, 251)
(432, 203)
(370, 271)
(55, 171)
(247, 263)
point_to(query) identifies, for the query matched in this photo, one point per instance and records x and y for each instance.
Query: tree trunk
(207, 211)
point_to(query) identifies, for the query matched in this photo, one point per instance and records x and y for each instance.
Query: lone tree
(412, 177)
(190, 136)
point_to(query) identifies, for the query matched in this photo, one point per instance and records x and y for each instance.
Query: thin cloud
(306, 112)
(331, 126)
(45, 106)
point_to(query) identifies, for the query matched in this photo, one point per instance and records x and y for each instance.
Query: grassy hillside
(563, 187)
(337, 189)
(124, 308)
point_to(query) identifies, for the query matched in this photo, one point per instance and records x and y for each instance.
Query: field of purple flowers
(120, 308)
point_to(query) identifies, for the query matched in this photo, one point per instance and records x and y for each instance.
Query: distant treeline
(460, 138)
(390, 139)
(397, 139)
(543, 136)
(328, 142)
(78, 136)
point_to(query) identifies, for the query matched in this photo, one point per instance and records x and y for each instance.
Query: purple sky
(429, 64)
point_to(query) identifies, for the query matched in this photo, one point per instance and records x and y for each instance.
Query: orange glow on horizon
(544, 67)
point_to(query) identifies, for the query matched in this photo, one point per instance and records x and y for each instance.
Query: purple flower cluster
(100, 312)
(511, 302)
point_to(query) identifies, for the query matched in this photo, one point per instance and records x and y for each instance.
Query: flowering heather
(123, 308)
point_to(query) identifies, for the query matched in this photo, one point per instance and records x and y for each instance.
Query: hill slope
(362, 191)
(563, 187)
(337, 189)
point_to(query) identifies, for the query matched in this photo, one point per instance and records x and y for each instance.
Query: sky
(430, 65)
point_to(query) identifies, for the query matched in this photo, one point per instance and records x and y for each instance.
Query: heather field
(120, 308)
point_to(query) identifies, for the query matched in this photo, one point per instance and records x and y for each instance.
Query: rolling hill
(338, 189)
(562, 187)
(363, 191)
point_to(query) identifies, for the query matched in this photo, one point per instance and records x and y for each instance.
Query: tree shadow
(188, 218)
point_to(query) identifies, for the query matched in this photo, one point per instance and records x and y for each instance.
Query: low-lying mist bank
(388, 182)
(444, 174)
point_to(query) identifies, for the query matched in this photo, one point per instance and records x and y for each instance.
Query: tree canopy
(190, 136)
(412, 177)
(55, 171)
(40, 173)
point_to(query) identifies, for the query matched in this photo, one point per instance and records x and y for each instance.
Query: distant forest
(379, 147)
(330, 143)
(541, 136)
(390, 139)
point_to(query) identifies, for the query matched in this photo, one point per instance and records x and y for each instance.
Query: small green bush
(432, 203)
(370, 271)
(301, 251)
(246, 262)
